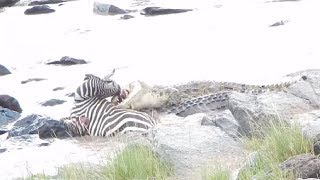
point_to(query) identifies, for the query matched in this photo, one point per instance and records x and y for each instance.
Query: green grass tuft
(274, 142)
(279, 141)
(138, 162)
(218, 174)
(134, 162)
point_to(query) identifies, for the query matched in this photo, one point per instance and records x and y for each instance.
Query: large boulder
(10, 102)
(255, 111)
(297, 103)
(4, 3)
(40, 9)
(191, 147)
(154, 11)
(67, 61)
(3, 69)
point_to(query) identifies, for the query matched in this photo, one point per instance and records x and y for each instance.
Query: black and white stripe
(104, 118)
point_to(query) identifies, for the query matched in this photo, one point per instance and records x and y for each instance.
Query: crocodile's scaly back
(200, 104)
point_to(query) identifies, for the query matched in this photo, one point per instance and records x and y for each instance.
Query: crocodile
(190, 98)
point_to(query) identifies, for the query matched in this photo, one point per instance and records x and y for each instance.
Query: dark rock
(41, 2)
(7, 116)
(3, 150)
(11, 103)
(125, 17)
(279, 23)
(58, 88)
(41, 9)
(46, 127)
(107, 9)
(27, 125)
(4, 70)
(44, 144)
(32, 79)
(67, 61)
(316, 144)
(5, 3)
(316, 148)
(70, 94)
(53, 102)
(54, 129)
(3, 131)
(154, 11)
(302, 166)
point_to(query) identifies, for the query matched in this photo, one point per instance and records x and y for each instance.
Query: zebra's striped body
(104, 118)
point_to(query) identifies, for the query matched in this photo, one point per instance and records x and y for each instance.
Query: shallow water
(226, 40)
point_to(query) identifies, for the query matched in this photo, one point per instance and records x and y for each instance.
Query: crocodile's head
(142, 96)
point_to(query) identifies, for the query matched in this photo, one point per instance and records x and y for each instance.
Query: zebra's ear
(107, 77)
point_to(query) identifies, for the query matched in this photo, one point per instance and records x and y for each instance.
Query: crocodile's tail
(254, 89)
(201, 104)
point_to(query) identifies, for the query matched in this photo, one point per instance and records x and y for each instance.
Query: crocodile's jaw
(141, 97)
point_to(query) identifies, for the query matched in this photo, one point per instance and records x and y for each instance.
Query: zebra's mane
(90, 76)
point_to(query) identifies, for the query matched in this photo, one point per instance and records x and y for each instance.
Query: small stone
(53, 102)
(3, 150)
(41, 9)
(154, 11)
(68, 61)
(58, 89)
(32, 79)
(125, 17)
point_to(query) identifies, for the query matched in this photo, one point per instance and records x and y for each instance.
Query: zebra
(93, 114)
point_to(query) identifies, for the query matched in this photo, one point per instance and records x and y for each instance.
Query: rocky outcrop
(67, 61)
(4, 70)
(303, 166)
(154, 11)
(41, 9)
(46, 127)
(4, 3)
(108, 9)
(53, 102)
(10, 102)
(190, 146)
